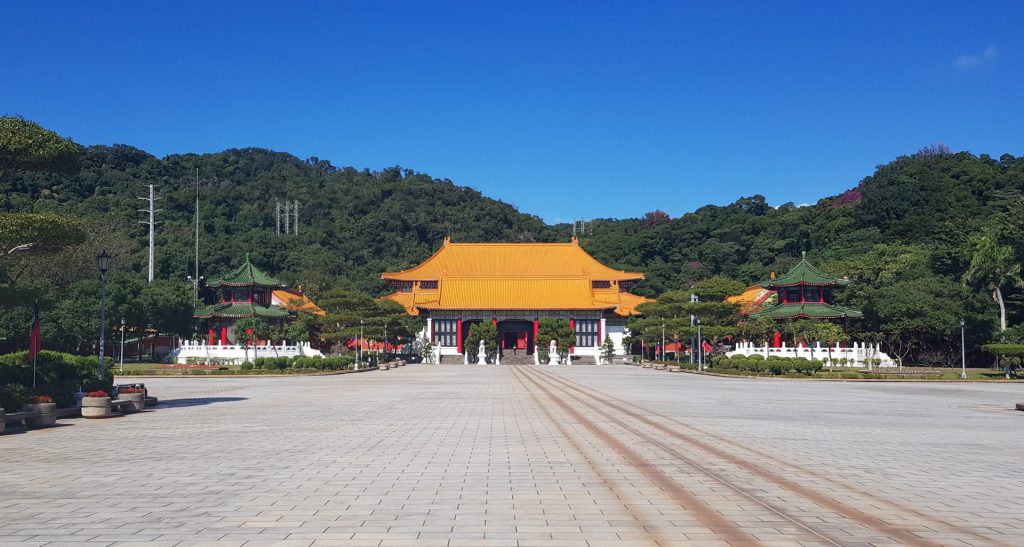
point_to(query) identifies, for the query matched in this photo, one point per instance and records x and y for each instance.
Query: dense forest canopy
(910, 228)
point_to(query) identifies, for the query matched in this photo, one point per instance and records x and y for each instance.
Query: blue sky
(565, 109)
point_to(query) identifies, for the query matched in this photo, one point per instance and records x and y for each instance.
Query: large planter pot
(47, 414)
(138, 401)
(3, 420)
(96, 407)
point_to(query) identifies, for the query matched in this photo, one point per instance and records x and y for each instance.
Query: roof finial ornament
(803, 254)
(246, 257)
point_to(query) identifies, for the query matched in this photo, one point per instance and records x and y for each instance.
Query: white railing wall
(861, 355)
(198, 351)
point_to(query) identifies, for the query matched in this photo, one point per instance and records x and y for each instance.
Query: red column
(458, 334)
(536, 328)
(777, 340)
(223, 335)
(572, 326)
(211, 336)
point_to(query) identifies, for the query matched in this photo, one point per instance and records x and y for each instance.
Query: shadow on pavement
(197, 401)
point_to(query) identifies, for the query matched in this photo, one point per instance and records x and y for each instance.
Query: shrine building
(247, 292)
(514, 285)
(805, 292)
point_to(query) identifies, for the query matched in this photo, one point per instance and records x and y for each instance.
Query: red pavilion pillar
(572, 327)
(223, 335)
(536, 329)
(458, 335)
(211, 338)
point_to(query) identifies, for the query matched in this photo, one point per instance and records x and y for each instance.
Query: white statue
(481, 355)
(553, 353)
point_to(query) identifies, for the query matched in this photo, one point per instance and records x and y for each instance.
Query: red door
(521, 340)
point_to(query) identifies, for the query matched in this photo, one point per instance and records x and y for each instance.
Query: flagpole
(35, 341)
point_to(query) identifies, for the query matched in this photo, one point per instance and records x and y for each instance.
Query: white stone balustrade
(198, 351)
(861, 355)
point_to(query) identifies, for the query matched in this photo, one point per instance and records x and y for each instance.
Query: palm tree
(993, 266)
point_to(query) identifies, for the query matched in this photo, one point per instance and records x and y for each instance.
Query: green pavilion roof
(246, 275)
(809, 310)
(237, 310)
(804, 274)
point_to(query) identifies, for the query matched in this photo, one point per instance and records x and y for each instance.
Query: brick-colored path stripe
(850, 512)
(729, 531)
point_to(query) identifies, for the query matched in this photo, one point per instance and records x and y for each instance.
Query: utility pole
(286, 216)
(152, 225)
(295, 225)
(195, 280)
(277, 215)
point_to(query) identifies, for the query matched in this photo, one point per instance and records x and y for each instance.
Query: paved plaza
(522, 455)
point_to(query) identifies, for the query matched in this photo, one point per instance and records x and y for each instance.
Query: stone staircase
(522, 359)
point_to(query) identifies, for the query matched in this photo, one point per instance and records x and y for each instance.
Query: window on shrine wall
(241, 295)
(793, 295)
(428, 285)
(403, 286)
(257, 296)
(600, 284)
(446, 332)
(813, 294)
(586, 332)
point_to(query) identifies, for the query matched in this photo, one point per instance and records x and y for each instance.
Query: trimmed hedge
(59, 375)
(340, 362)
(772, 366)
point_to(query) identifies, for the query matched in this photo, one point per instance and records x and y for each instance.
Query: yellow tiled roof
(628, 303)
(750, 299)
(295, 301)
(511, 260)
(521, 276)
(406, 299)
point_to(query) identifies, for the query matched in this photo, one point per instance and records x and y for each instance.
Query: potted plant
(96, 404)
(135, 395)
(46, 411)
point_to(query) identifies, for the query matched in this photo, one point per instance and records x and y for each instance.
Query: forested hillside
(911, 228)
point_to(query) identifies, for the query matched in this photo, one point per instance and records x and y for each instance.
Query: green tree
(608, 350)
(38, 232)
(716, 288)
(559, 330)
(26, 146)
(486, 332)
(994, 267)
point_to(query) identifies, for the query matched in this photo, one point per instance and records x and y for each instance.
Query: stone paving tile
(451, 455)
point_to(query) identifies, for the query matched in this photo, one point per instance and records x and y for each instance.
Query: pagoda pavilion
(514, 285)
(805, 292)
(245, 292)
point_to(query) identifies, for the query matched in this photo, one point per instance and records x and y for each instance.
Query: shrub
(12, 396)
(41, 399)
(59, 374)
(130, 390)
(247, 366)
(97, 394)
(758, 365)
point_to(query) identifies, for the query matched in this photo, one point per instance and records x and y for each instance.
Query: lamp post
(122, 345)
(662, 340)
(103, 262)
(963, 353)
(700, 348)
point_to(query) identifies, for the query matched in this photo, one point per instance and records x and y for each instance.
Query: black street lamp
(103, 262)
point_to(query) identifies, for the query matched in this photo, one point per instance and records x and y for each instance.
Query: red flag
(35, 343)
(706, 346)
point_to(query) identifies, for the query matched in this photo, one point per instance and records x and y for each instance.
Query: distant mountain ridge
(355, 224)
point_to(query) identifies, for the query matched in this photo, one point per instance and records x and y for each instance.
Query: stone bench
(659, 367)
(120, 406)
(1020, 406)
(674, 368)
(646, 365)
